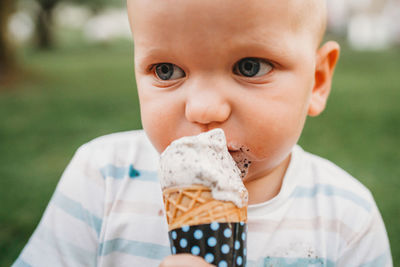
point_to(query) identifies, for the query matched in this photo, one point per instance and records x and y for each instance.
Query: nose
(206, 106)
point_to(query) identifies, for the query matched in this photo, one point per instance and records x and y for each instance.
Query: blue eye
(168, 71)
(252, 67)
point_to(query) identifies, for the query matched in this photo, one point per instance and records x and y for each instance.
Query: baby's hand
(184, 260)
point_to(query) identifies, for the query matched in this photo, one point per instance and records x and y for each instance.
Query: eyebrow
(281, 50)
(152, 54)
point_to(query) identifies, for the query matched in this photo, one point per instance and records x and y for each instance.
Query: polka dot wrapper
(221, 244)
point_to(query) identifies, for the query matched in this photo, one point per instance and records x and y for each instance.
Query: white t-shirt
(107, 210)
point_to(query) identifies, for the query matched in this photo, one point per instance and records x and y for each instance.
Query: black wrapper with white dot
(221, 244)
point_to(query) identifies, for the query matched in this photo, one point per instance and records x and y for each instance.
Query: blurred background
(66, 77)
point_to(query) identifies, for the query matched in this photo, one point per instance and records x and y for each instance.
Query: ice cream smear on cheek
(203, 159)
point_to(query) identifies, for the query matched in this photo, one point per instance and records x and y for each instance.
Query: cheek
(272, 139)
(276, 129)
(155, 124)
(160, 115)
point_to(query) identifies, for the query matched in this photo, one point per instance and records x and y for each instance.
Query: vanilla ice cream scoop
(203, 159)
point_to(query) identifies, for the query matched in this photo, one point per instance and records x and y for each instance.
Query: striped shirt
(107, 210)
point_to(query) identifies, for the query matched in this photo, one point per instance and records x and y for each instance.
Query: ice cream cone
(194, 205)
(205, 199)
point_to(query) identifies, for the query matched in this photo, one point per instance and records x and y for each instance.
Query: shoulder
(333, 180)
(121, 148)
(349, 205)
(121, 141)
(123, 164)
(337, 195)
(342, 203)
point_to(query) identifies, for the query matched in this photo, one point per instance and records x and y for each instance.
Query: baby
(256, 69)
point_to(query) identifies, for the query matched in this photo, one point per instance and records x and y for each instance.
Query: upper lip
(233, 147)
(242, 149)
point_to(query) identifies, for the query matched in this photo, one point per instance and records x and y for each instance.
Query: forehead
(208, 24)
(230, 14)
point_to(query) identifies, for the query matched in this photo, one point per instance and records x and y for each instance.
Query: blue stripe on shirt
(381, 260)
(116, 172)
(76, 210)
(299, 192)
(51, 250)
(330, 190)
(72, 253)
(159, 252)
(290, 262)
(136, 248)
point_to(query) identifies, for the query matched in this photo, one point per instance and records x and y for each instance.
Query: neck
(267, 185)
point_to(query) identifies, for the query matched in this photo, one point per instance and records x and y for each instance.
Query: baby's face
(242, 66)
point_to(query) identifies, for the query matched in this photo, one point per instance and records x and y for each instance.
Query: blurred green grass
(78, 92)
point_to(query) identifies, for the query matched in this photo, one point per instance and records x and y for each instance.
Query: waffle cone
(195, 205)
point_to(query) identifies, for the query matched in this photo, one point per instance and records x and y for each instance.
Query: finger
(184, 260)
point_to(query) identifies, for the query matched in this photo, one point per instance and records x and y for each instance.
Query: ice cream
(203, 160)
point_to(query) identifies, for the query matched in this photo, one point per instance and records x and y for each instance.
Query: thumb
(184, 260)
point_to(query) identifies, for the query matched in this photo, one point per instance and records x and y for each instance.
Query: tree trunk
(7, 59)
(43, 28)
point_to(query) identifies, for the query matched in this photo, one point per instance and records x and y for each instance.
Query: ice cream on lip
(203, 159)
(242, 161)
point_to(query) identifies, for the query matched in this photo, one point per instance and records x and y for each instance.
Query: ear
(327, 57)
